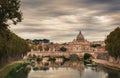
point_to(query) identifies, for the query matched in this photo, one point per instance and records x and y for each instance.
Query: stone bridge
(65, 54)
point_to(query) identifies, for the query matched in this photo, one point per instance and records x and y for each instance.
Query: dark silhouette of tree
(9, 11)
(95, 45)
(12, 47)
(87, 56)
(113, 43)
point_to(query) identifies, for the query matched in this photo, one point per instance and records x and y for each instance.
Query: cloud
(61, 20)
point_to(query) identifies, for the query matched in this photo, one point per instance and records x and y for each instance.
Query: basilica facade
(80, 44)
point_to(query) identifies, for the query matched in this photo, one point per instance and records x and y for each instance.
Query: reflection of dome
(80, 37)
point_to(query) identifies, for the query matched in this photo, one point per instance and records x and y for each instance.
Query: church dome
(80, 37)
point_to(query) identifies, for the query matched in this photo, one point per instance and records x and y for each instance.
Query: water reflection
(72, 70)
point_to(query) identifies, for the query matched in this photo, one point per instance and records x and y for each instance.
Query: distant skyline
(61, 20)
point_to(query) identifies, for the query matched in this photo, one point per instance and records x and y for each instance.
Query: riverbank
(107, 64)
(6, 69)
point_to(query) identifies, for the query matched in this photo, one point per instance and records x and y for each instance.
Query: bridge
(65, 54)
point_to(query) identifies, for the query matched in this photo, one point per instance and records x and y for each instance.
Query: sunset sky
(61, 20)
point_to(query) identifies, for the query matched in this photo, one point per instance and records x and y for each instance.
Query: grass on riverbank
(6, 69)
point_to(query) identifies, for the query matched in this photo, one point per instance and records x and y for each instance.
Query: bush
(18, 71)
(87, 56)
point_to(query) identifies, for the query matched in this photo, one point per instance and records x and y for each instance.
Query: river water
(75, 70)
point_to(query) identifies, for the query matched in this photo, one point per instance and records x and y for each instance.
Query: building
(80, 44)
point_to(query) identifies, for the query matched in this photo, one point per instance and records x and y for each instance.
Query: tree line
(113, 43)
(12, 47)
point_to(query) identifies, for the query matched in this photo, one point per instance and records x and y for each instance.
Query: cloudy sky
(61, 20)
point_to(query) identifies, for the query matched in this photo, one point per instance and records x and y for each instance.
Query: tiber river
(74, 70)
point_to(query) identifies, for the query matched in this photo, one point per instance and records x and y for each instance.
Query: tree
(46, 40)
(9, 11)
(87, 56)
(12, 47)
(113, 43)
(95, 45)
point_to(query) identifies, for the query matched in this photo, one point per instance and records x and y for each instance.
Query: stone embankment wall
(113, 60)
(103, 56)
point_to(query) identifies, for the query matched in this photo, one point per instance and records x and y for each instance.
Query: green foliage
(18, 71)
(9, 11)
(95, 45)
(11, 46)
(37, 41)
(7, 68)
(113, 43)
(46, 40)
(87, 56)
(74, 57)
